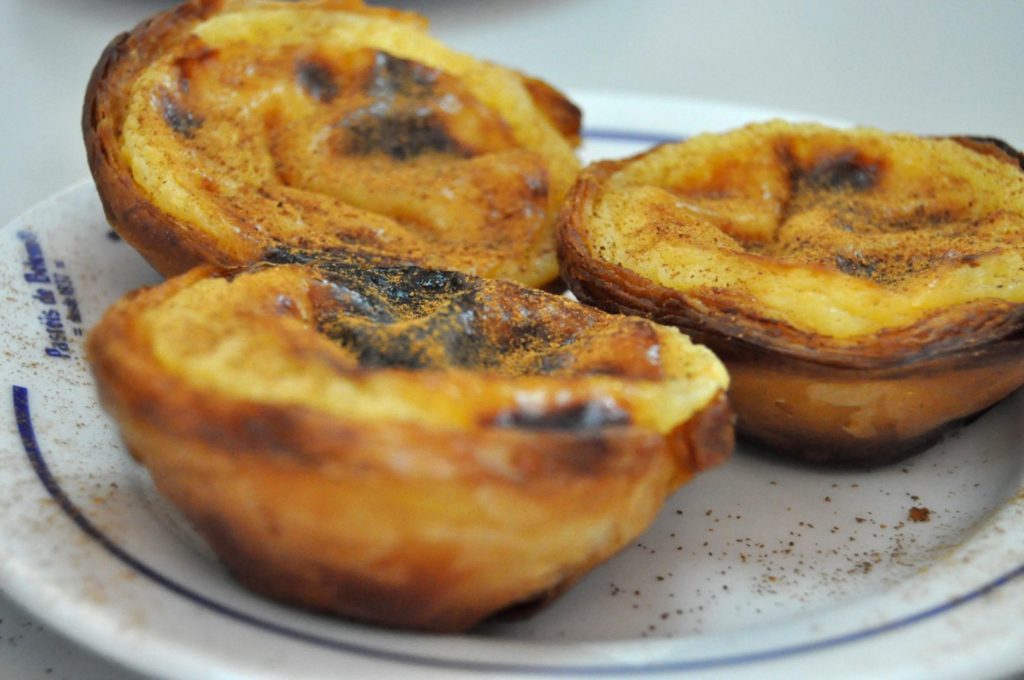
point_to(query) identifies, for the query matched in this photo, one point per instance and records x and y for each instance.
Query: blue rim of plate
(37, 460)
(628, 136)
(34, 454)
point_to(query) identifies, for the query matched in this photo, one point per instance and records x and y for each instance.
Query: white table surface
(924, 66)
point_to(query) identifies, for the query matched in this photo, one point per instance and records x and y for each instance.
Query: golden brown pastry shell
(807, 395)
(172, 245)
(165, 243)
(320, 510)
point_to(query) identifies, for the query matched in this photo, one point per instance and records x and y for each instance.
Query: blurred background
(934, 66)
(928, 66)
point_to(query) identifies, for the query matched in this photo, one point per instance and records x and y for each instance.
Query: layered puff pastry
(416, 448)
(865, 289)
(224, 128)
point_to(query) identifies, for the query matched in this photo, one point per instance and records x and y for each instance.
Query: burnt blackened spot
(283, 255)
(523, 332)
(402, 135)
(399, 316)
(399, 290)
(416, 318)
(392, 76)
(180, 119)
(401, 284)
(354, 303)
(405, 290)
(317, 80)
(400, 121)
(845, 171)
(853, 266)
(374, 351)
(590, 415)
(466, 339)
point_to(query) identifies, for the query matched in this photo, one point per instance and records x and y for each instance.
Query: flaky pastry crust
(221, 129)
(409, 447)
(865, 289)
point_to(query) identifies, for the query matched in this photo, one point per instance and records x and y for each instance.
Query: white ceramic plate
(760, 568)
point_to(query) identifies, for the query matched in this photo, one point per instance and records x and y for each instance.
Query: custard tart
(408, 447)
(219, 130)
(865, 289)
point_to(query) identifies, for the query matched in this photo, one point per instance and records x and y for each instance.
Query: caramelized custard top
(310, 126)
(390, 342)
(841, 232)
